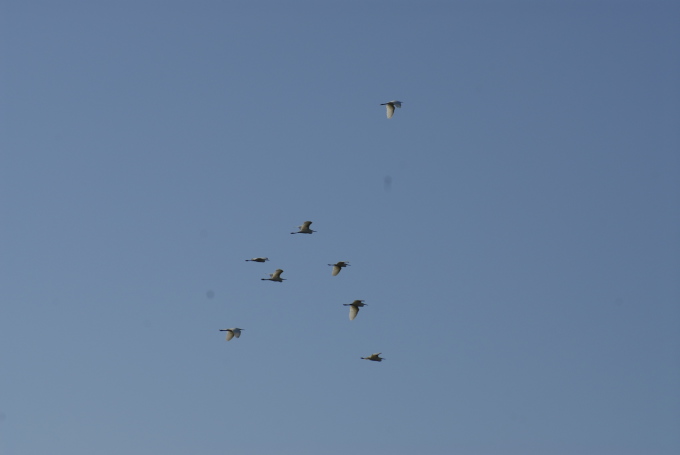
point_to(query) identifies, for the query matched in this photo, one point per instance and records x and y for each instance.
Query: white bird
(338, 266)
(258, 259)
(276, 276)
(304, 228)
(390, 107)
(233, 332)
(375, 357)
(354, 308)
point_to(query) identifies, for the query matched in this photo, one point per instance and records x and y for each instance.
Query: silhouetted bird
(374, 357)
(258, 259)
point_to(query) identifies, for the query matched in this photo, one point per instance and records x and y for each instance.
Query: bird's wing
(306, 225)
(336, 270)
(237, 333)
(230, 335)
(390, 109)
(353, 311)
(277, 273)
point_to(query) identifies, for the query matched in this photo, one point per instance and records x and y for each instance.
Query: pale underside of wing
(230, 335)
(390, 110)
(353, 311)
(336, 270)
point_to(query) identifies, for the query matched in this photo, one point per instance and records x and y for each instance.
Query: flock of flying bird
(337, 267)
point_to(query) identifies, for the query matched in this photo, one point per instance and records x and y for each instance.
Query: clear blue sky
(521, 269)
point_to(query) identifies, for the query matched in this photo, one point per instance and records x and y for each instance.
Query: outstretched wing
(353, 311)
(230, 334)
(390, 109)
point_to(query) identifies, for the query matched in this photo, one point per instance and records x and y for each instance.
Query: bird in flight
(390, 107)
(233, 332)
(304, 228)
(354, 308)
(258, 259)
(338, 266)
(374, 357)
(276, 276)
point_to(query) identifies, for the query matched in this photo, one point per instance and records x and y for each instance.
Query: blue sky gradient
(514, 228)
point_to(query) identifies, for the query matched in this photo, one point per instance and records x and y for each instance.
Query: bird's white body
(374, 357)
(304, 228)
(276, 276)
(354, 308)
(258, 259)
(233, 332)
(389, 106)
(338, 266)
